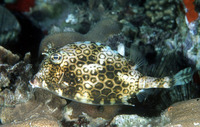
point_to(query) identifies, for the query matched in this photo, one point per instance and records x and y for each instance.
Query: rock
(94, 114)
(184, 114)
(9, 26)
(100, 32)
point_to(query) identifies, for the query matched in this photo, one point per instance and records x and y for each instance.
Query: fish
(93, 73)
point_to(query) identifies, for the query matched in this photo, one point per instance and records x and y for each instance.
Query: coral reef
(9, 26)
(41, 105)
(162, 13)
(160, 36)
(19, 105)
(60, 13)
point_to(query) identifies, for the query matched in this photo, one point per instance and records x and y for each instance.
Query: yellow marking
(125, 99)
(81, 56)
(72, 74)
(102, 102)
(88, 86)
(166, 85)
(154, 84)
(80, 88)
(117, 57)
(59, 92)
(132, 73)
(93, 67)
(78, 51)
(102, 56)
(125, 77)
(72, 60)
(85, 69)
(44, 85)
(77, 96)
(125, 91)
(86, 95)
(85, 98)
(71, 83)
(65, 83)
(141, 82)
(64, 62)
(101, 61)
(112, 101)
(167, 81)
(131, 87)
(79, 79)
(80, 64)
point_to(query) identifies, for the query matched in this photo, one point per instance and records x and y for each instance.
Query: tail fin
(182, 77)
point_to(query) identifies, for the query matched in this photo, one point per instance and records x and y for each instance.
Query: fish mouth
(35, 83)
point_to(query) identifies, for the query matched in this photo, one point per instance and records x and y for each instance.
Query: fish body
(92, 73)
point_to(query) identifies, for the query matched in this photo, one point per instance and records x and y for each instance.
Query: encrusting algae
(92, 73)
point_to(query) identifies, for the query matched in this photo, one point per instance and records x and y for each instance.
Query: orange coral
(21, 5)
(191, 14)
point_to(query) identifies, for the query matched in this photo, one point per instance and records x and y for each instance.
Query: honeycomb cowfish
(92, 73)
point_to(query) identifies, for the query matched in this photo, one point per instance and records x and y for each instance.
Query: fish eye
(56, 58)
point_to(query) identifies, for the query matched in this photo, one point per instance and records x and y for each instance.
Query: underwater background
(162, 37)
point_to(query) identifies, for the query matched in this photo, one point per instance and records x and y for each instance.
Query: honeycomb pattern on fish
(92, 73)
